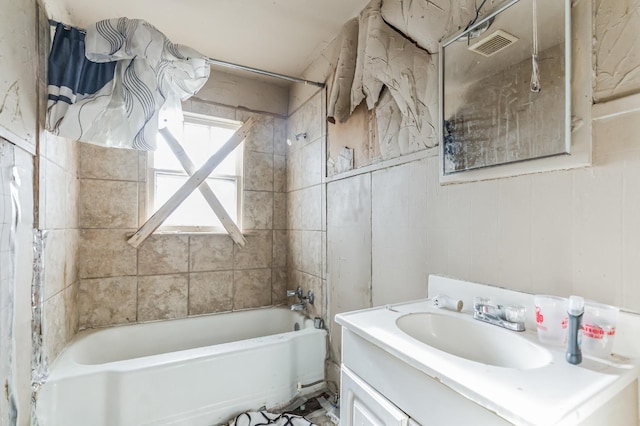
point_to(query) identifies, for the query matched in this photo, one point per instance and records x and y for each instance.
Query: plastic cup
(551, 318)
(598, 328)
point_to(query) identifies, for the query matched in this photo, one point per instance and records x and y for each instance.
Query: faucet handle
(294, 293)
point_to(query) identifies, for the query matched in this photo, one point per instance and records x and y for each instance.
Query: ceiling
(282, 36)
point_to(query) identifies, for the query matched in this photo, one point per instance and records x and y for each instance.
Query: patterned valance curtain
(117, 84)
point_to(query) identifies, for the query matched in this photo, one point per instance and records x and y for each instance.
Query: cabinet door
(361, 405)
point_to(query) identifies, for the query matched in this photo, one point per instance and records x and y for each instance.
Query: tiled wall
(306, 206)
(178, 275)
(58, 207)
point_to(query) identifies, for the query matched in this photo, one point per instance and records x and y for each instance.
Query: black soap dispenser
(574, 339)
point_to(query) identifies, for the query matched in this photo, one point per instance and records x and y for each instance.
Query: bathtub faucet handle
(294, 293)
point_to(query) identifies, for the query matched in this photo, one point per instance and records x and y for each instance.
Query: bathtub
(194, 371)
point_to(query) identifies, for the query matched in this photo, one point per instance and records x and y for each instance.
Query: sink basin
(475, 341)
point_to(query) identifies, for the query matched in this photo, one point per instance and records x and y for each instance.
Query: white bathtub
(194, 371)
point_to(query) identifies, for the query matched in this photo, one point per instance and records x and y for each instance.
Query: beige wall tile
(72, 313)
(257, 252)
(55, 262)
(279, 136)
(279, 173)
(279, 210)
(105, 253)
(60, 151)
(107, 301)
(73, 256)
(294, 170)
(310, 208)
(260, 138)
(57, 194)
(108, 163)
(258, 171)
(54, 327)
(108, 204)
(73, 196)
(294, 249)
(311, 255)
(252, 288)
(307, 119)
(280, 242)
(164, 254)
(212, 252)
(257, 210)
(210, 292)
(311, 163)
(279, 286)
(294, 209)
(162, 297)
(143, 160)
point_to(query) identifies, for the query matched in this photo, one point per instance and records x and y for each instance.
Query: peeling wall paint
(18, 102)
(617, 48)
(428, 21)
(562, 232)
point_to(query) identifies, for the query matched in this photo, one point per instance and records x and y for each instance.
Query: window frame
(152, 172)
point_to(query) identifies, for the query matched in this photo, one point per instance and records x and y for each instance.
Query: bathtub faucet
(302, 300)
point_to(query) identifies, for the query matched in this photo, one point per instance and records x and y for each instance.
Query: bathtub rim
(66, 365)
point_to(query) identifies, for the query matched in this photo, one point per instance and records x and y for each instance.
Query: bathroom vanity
(414, 364)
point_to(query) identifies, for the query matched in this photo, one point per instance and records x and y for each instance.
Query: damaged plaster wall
(617, 49)
(18, 109)
(562, 232)
(395, 72)
(18, 125)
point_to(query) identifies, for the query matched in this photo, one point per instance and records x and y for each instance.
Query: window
(200, 137)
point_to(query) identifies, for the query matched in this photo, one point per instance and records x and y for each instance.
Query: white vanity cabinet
(382, 390)
(363, 406)
(392, 375)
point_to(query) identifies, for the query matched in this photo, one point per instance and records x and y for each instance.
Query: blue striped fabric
(111, 85)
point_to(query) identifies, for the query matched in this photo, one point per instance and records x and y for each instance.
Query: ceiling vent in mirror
(493, 43)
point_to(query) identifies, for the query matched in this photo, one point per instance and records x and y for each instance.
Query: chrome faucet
(302, 300)
(509, 317)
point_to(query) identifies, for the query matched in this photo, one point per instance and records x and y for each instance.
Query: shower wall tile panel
(164, 254)
(212, 252)
(162, 297)
(210, 291)
(190, 274)
(107, 301)
(252, 288)
(258, 211)
(108, 204)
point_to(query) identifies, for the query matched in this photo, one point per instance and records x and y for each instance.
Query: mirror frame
(578, 64)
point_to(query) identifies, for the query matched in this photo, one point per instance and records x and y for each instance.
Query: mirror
(499, 105)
